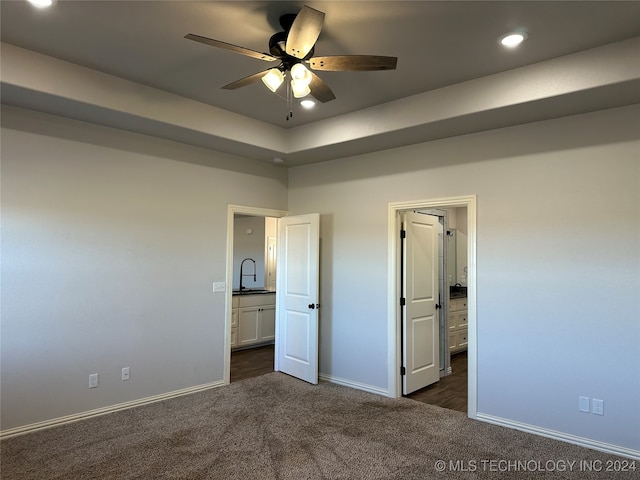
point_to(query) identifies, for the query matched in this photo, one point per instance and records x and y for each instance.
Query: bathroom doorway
(250, 313)
(253, 296)
(468, 203)
(250, 327)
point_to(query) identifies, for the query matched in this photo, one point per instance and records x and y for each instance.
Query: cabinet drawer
(257, 300)
(456, 304)
(462, 340)
(235, 302)
(458, 320)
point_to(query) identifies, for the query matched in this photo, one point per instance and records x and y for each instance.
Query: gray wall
(110, 244)
(248, 245)
(558, 264)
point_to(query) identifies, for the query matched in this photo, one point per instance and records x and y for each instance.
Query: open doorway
(251, 300)
(450, 389)
(291, 319)
(253, 296)
(452, 333)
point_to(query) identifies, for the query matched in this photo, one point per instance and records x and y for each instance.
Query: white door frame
(394, 321)
(232, 210)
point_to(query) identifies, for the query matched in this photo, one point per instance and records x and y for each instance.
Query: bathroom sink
(252, 291)
(457, 291)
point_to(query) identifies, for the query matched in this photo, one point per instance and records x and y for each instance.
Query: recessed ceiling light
(512, 39)
(278, 160)
(41, 3)
(308, 103)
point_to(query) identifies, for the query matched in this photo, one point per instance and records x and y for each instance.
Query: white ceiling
(438, 44)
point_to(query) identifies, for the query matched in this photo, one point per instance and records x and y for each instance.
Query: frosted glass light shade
(300, 74)
(300, 89)
(273, 79)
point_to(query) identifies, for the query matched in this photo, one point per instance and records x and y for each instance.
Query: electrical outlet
(583, 404)
(219, 287)
(93, 380)
(598, 406)
(125, 373)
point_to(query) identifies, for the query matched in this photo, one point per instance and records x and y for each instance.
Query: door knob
(312, 306)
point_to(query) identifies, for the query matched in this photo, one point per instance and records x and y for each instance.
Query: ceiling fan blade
(320, 90)
(229, 46)
(337, 63)
(304, 32)
(243, 82)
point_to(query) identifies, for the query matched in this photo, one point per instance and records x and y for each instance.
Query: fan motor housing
(278, 45)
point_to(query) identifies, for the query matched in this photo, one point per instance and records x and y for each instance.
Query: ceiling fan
(294, 48)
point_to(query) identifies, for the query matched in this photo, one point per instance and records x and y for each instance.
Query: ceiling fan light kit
(273, 79)
(294, 48)
(300, 80)
(299, 90)
(299, 73)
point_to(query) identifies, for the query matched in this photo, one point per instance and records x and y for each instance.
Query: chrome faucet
(247, 274)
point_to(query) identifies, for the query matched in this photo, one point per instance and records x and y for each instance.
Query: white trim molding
(76, 417)
(563, 437)
(351, 384)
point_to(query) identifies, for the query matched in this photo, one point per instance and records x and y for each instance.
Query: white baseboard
(358, 386)
(564, 437)
(12, 432)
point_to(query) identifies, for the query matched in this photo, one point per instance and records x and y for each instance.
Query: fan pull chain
(289, 101)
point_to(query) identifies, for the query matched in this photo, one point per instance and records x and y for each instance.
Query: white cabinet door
(267, 323)
(420, 319)
(296, 351)
(248, 326)
(234, 326)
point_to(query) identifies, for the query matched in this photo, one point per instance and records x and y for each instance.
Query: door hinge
(403, 302)
(403, 371)
(403, 234)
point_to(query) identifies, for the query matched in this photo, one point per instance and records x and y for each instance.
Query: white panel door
(296, 351)
(420, 319)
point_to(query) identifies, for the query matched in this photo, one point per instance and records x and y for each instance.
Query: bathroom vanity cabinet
(458, 321)
(253, 320)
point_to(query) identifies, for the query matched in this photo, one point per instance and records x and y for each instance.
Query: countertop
(252, 291)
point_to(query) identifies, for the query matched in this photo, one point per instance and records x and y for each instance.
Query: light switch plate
(583, 404)
(219, 287)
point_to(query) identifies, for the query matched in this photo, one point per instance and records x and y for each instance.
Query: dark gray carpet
(277, 427)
